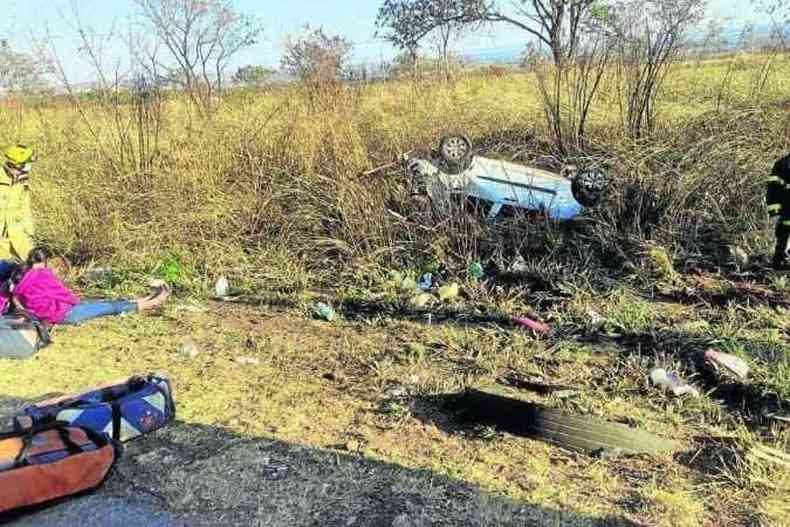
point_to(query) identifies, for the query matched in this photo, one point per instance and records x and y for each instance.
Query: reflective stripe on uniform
(775, 208)
(785, 223)
(771, 179)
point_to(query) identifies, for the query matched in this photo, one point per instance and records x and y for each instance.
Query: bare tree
(777, 8)
(779, 12)
(557, 24)
(406, 23)
(569, 90)
(200, 38)
(443, 37)
(20, 72)
(649, 35)
(316, 58)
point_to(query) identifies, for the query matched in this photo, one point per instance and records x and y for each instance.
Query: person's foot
(160, 292)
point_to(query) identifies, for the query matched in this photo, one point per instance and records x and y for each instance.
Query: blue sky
(24, 20)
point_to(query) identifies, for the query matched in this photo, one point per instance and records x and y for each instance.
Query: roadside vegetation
(281, 189)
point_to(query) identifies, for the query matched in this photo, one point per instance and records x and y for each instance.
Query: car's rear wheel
(456, 153)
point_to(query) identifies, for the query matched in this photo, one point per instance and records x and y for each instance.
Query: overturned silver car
(453, 170)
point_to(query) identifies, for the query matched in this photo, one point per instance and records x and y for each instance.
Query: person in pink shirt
(37, 290)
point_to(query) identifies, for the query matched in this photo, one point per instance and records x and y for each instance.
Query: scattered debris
(738, 256)
(449, 292)
(608, 453)
(597, 322)
(221, 287)
(247, 361)
(730, 363)
(426, 282)
(189, 348)
(672, 382)
(578, 433)
(476, 271)
(273, 471)
(538, 327)
(396, 391)
(324, 311)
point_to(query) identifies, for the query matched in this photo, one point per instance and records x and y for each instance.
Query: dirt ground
(284, 420)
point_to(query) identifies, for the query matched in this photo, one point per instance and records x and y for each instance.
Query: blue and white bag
(126, 410)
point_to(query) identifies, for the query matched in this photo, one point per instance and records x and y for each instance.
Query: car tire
(588, 187)
(455, 152)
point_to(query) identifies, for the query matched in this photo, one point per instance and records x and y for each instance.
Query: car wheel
(588, 187)
(456, 153)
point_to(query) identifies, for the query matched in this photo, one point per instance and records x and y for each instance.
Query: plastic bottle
(426, 282)
(221, 287)
(476, 271)
(324, 311)
(537, 327)
(735, 365)
(672, 382)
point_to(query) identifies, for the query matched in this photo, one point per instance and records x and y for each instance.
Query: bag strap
(25, 320)
(98, 439)
(33, 430)
(29, 434)
(116, 421)
(43, 334)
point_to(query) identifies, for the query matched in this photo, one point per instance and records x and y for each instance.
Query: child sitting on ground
(35, 289)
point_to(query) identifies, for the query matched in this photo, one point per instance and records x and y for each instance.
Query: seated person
(35, 289)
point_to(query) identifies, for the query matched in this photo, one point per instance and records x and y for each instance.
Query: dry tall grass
(272, 188)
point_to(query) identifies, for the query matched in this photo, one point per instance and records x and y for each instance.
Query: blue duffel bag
(125, 410)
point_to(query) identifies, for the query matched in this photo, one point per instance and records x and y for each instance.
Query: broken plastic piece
(476, 271)
(426, 282)
(537, 327)
(324, 311)
(734, 365)
(672, 382)
(221, 287)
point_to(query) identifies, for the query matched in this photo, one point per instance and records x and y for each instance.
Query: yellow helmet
(19, 155)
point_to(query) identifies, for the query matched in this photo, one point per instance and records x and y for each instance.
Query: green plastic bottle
(476, 271)
(324, 311)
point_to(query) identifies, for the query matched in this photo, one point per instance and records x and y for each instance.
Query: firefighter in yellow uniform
(778, 199)
(16, 216)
